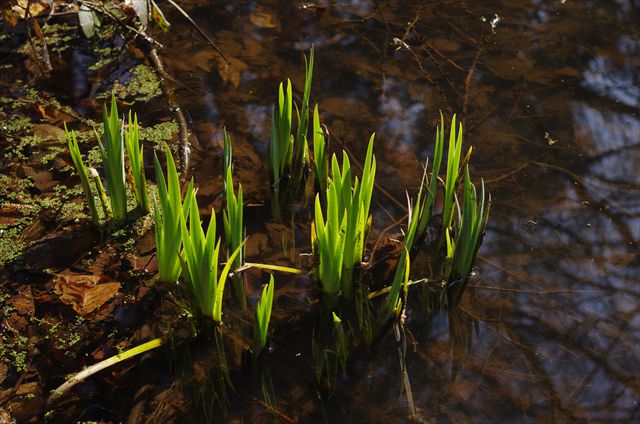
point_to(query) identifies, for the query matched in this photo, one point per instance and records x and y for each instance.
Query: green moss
(159, 133)
(52, 152)
(17, 191)
(10, 245)
(13, 351)
(13, 345)
(105, 56)
(59, 37)
(142, 86)
(63, 335)
(16, 124)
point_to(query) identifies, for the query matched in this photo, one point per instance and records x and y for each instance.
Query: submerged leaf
(85, 293)
(88, 21)
(263, 19)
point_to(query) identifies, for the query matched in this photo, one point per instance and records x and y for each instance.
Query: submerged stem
(89, 371)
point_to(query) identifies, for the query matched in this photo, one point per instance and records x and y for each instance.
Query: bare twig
(36, 27)
(183, 134)
(197, 27)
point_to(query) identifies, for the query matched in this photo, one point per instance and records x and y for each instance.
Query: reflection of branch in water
(467, 82)
(604, 154)
(599, 356)
(584, 181)
(536, 292)
(428, 77)
(508, 174)
(578, 340)
(200, 30)
(626, 232)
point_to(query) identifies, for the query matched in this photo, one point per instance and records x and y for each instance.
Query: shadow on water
(549, 328)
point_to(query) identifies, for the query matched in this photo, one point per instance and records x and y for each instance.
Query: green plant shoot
(167, 219)
(288, 152)
(262, 318)
(472, 222)
(102, 194)
(453, 171)
(280, 148)
(320, 152)
(136, 163)
(425, 201)
(82, 172)
(301, 159)
(200, 261)
(112, 153)
(233, 218)
(227, 158)
(340, 240)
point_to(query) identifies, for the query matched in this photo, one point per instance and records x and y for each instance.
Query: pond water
(549, 95)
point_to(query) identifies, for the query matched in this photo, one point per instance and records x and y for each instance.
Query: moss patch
(142, 85)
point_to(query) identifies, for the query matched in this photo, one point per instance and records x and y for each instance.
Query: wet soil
(549, 94)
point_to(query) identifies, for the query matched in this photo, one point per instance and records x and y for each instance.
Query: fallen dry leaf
(35, 7)
(263, 19)
(230, 71)
(85, 293)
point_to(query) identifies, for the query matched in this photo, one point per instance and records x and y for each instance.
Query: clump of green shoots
(339, 242)
(200, 261)
(168, 215)
(472, 221)
(468, 226)
(340, 239)
(114, 204)
(289, 153)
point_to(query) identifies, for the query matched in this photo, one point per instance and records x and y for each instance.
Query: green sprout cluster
(340, 225)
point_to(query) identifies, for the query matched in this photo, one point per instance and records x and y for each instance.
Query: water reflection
(556, 304)
(550, 328)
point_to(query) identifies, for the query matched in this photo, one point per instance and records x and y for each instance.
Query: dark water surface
(549, 94)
